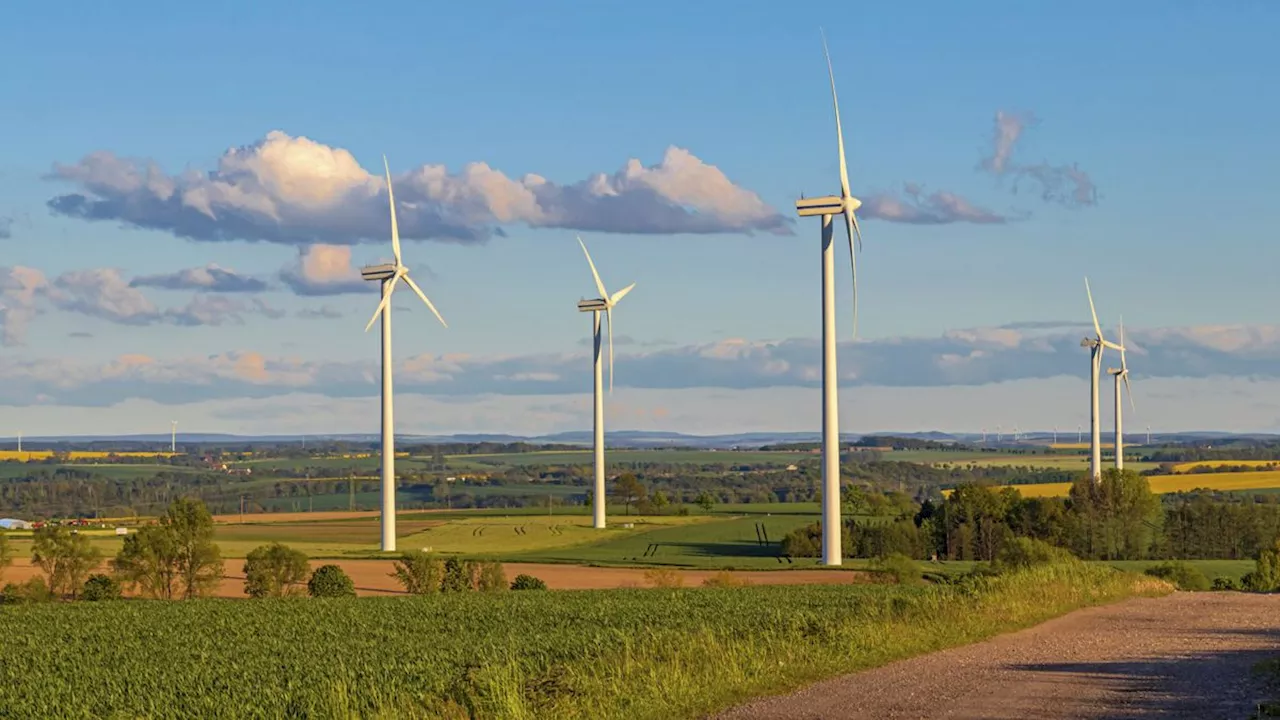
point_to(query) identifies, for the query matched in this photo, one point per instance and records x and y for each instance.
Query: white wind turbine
(1121, 373)
(827, 208)
(605, 302)
(1095, 345)
(173, 439)
(388, 275)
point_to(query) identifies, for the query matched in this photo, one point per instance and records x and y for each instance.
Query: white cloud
(1064, 184)
(211, 278)
(324, 270)
(19, 288)
(294, 190)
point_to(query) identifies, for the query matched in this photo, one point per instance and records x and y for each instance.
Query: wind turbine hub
(851, 204)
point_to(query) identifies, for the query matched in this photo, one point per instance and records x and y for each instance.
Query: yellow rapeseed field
(1262, 480)
(38, 455)
(1189, 466)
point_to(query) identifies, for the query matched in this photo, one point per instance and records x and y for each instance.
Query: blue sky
(1159, 107)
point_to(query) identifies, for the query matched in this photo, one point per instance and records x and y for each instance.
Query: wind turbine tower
(827, 208)
(1121, 373)
(387, 275)
(604, 303)
(173, 438)
(1095, 344)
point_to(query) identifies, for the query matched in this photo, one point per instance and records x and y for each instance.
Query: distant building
(12, 524)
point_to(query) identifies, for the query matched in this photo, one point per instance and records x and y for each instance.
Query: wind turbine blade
(857, 231)
(1096, 326)
(621, 294)
(853, 265)
(395, 228)
(1123, 365)
(604, 294)
(423, 295)
(844, 169)
(386, 300)
(1113, 346)
(1129, 390)
(608, 312)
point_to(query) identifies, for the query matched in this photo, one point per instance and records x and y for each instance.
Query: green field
(632, 654)
(118, 471)
(1057, 461)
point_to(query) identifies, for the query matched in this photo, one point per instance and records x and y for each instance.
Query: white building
(12, 524)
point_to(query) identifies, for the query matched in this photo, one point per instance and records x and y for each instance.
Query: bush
(1184, 575)
(901, 568)
(100, 587)
(1266, 574)
(33, 590)
(725, 579)
(528, 582)
(274, 570)
(803, 542)
(419, 572)
(329, 581)
(1226, 583)
(490, 577)
(458, 575)
(663, 578)
(1021, 553)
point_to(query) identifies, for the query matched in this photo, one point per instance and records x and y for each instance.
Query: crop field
(589, 654)
(1226, 482)
(38, 455)
(675, 457)
(123, 471)
(1189, 466)
(964, 458)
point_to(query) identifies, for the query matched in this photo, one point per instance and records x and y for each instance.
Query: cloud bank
(294, 190)
(211, 278)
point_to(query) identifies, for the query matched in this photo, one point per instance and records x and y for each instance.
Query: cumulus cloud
(1062, 184)
(211, 278)
(293, 190)
(105, 294)
(962, 357)
(324, 270)
(19, 288)
(917, 207)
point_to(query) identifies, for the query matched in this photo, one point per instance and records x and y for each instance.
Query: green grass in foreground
(1211, 568)
(597, 654)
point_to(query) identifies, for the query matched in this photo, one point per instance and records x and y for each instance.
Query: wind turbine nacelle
(597, 305)
(378, 272)
(829, 205)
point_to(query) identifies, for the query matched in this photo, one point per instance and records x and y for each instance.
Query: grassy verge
(597, 654)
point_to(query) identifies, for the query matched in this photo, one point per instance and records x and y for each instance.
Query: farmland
(512, 655)
(1225, 482)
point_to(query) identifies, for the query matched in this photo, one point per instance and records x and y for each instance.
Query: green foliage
(1021, 553)
(419, 572)
(528, 582)
(1184, 575)
(275, 570)
(901, 568)
(1226, 583)
(66, 558)
(6, 554)
(629, 490)
(457, 575)
(33, 590)
(490, 577)
(705, 501)
(1266, 574)
(514, 655)
(330, 581)
(100, 587)
(174, 558)
(803, 542)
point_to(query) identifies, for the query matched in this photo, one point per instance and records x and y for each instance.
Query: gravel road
(1187, 655)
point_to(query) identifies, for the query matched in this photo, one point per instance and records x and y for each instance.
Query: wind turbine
(1095, 345)
(173, 439)
(1122, 373)
(605, 302)
(1148, 434)
(388, 275)
(827, 208)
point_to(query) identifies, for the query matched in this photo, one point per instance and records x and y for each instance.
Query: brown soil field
(372, 577)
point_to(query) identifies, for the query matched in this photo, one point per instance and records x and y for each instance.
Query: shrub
(1266, 574)
(490, 577)
(725, 579)
(663, 578)
(100, 587)
(6, 553)
(1226, 583)
(33, 590)
(528, 582)
(1184, 575)
(330, 581)
(901, 568)
(274, 570)
(419, 572)
(1020, 553)
(458, 575)
(803, 542)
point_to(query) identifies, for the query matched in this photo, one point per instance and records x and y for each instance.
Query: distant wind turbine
(388, 275)
(827, 208)
(1121, 373)
(1096, 345)
(173, 439)
(605, 302)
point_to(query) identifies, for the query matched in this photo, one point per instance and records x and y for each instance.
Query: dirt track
(373, 577)
(1189, 655)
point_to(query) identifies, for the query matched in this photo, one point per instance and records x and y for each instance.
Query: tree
(101, 587)
(329, 581)
(274, 570)
(419, 572)
(176, 556)
(629, 490)
(705, 501)
(1266, 574)
(490, 577)
(1114, 515)
(457, 575)
(528, 582)
(660, 501)
(65, 557)
(6, 554)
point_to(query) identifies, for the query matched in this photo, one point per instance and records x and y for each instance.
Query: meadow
(657, 653)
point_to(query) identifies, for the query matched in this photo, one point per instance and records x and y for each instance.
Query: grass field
(12, 469)
(987, 459)
(632, 654)
(1227, 482)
